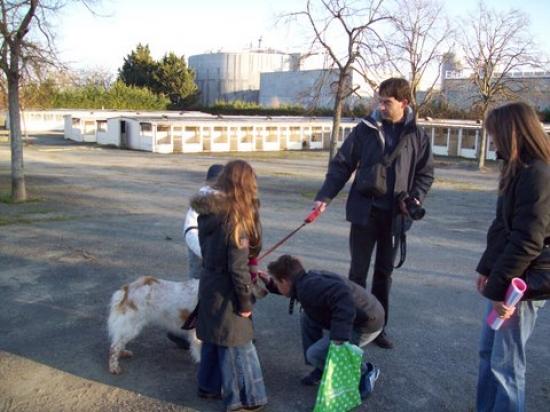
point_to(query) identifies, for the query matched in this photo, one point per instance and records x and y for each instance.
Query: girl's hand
(503, 311)
(264, 276)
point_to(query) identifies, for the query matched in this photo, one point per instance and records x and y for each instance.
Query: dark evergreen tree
(170, 76)
(175, 80)
(138, 68)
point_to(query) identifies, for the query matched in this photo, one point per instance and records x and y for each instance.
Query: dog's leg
(126, 331)
(195, 345)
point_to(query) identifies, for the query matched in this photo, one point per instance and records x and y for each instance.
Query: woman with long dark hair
(229, 234)
(517, 246)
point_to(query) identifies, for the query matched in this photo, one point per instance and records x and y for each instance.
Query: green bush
(117, 97)
(239, 107)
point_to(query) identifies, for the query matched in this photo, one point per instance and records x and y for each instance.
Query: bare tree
(14, 26)
(495, 44)
(421, 35)
(26, 47)
(340, 29)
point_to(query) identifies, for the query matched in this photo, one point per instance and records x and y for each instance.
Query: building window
(163, 134)
(192, 135)
(220, 134)
(468, 139)
(247, 134)
(272, 134)
(101, 125)
(317, 134)
(146, 129)
(440, 136)
(295, 134)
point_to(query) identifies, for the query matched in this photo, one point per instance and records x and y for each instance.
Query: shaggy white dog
(152, 301)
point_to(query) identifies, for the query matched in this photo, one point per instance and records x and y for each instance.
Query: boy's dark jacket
(338, 304)
(364, 147)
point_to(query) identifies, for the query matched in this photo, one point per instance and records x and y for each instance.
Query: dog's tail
(120, 305)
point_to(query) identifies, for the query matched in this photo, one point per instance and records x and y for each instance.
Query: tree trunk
(482, 151)
(18, 190)
(482, 148)
(414, 104)
(338, 104)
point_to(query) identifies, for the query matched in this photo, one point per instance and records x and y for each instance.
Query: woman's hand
(481, 282)
(245, 314)
(503, 311)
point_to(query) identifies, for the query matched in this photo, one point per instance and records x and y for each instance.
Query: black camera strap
(388, 159)
(400, 243)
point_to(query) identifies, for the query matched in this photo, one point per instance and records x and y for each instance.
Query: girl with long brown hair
(517, 246)
(229, 234)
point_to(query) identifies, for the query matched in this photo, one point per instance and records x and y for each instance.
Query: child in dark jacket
(330, 303)
(229, 234)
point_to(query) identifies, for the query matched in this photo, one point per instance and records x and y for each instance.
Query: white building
(33, 121)
(222, 134)
(99, 125)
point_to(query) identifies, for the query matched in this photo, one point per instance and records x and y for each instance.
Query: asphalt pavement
(101, 217)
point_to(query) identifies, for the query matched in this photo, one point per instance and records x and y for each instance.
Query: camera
(415, 209)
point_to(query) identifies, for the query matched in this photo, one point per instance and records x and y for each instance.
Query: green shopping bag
(339, 388)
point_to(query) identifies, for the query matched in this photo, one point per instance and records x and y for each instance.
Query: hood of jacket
(210, 202)
(374, 120)
(212, 207)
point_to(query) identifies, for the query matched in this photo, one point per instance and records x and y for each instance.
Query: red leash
(191, 321)
(314, 214)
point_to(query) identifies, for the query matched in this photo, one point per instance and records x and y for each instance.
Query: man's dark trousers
(363, 239)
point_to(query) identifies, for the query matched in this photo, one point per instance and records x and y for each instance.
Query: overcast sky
(198, 26)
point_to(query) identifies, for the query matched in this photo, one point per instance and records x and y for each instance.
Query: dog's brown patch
(149, 280)
(126, 302)
(184, 314)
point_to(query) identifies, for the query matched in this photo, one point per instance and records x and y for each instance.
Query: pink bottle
(513, 295)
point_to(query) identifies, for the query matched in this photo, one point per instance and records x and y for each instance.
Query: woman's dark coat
(225, 285)
(518, 238)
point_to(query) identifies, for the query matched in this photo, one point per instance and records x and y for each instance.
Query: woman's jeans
(234, 372)
(501, 381)
(316, 345)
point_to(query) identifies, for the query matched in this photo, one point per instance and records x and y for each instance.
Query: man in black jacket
(373, 215)
(330, 303)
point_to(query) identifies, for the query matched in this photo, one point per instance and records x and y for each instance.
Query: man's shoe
(368, 379)
(181, 343)
(247, 409)
(208, 395)
(383, 341)
(313, 379)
